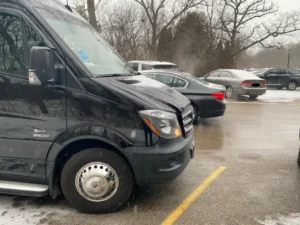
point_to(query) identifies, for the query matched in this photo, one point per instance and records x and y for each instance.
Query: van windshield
(85, 42)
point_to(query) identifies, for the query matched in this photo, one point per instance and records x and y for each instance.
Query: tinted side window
(167, 80)
(32, 38)
(179, 83)
(213, 74)
(11, 45)
(225, 75)
(134, 66)
(282, 72)
(146, 67)
(273, 71)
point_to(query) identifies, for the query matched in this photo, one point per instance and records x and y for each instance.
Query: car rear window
(245, 75)
(164, 66)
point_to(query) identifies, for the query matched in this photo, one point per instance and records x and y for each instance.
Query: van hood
(143, 88)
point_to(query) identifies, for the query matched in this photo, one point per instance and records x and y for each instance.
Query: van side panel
(31, 117)
(28, 166)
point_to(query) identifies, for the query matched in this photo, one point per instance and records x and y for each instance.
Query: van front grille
(187, 119)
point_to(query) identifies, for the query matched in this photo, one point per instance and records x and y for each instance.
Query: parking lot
(257, 142)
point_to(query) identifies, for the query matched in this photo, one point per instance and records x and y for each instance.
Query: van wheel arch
(68, 151)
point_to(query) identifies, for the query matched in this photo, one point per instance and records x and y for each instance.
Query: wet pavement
(258, 143)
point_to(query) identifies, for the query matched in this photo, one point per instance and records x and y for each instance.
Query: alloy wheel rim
(292, 85)
(229, 92)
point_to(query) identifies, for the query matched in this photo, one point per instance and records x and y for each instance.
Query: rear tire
(195, 114)
(229, 93)
(253, 97)
(97, 181)
(292, 85)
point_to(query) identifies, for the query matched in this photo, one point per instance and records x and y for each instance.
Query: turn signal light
(218, 95)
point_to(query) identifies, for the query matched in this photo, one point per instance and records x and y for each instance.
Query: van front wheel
(97, 181)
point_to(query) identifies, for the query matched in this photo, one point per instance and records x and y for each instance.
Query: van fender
(105, 135)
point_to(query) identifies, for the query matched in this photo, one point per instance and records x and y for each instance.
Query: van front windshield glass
(85, 42)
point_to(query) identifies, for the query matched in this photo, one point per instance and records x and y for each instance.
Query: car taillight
(264, 83)
(246, 83)
(218, 95)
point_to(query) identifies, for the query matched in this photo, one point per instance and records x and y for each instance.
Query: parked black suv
(280, 78)
(74, 118)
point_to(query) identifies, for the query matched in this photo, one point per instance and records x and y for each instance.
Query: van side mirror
(41, 66)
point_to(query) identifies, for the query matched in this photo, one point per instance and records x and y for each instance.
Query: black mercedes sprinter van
(75, 119)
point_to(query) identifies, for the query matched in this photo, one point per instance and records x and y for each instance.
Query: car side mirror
(41, 66)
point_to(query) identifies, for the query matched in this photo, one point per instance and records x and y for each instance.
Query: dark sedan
(207, 99)
(280, 78)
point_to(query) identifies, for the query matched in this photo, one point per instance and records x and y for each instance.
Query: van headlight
(162, 123)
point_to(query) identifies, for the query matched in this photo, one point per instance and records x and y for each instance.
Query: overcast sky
(287, 5)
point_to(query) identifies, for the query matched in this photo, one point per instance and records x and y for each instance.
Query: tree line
(198, 35)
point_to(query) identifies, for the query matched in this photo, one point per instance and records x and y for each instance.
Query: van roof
(52, 3)
(29, 4)
(152, 62)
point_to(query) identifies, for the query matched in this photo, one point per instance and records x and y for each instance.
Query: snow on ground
(16, 210)
(292, 219)
(279, 96)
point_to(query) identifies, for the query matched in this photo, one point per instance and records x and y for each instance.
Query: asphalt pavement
(257, 142)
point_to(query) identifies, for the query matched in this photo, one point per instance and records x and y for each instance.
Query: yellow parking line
(192, 197)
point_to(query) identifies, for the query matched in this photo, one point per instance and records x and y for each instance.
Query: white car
(151, 65)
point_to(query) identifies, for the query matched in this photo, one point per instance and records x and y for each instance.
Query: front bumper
(214, 108)
(161, 162)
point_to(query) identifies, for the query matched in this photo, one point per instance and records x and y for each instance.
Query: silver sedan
(237, 82)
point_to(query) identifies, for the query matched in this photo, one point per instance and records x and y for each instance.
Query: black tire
(195, 114)
(253, 97)
(229, 93)
(81, 159)
(292, 85)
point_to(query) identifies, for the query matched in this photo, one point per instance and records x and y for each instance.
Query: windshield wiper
(116, 75)
(112, 75)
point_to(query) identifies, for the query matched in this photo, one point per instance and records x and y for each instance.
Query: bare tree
(211, 7)
(192, 42)
(161, 14)
(244, 24)
(124, 29)
(89, 9)
(92, 13)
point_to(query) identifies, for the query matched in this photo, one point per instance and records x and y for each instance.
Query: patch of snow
(291, 219)
(30, 211)
(279, 96)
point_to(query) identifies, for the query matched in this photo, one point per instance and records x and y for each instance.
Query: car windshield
(85, 43)
(295, 71)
